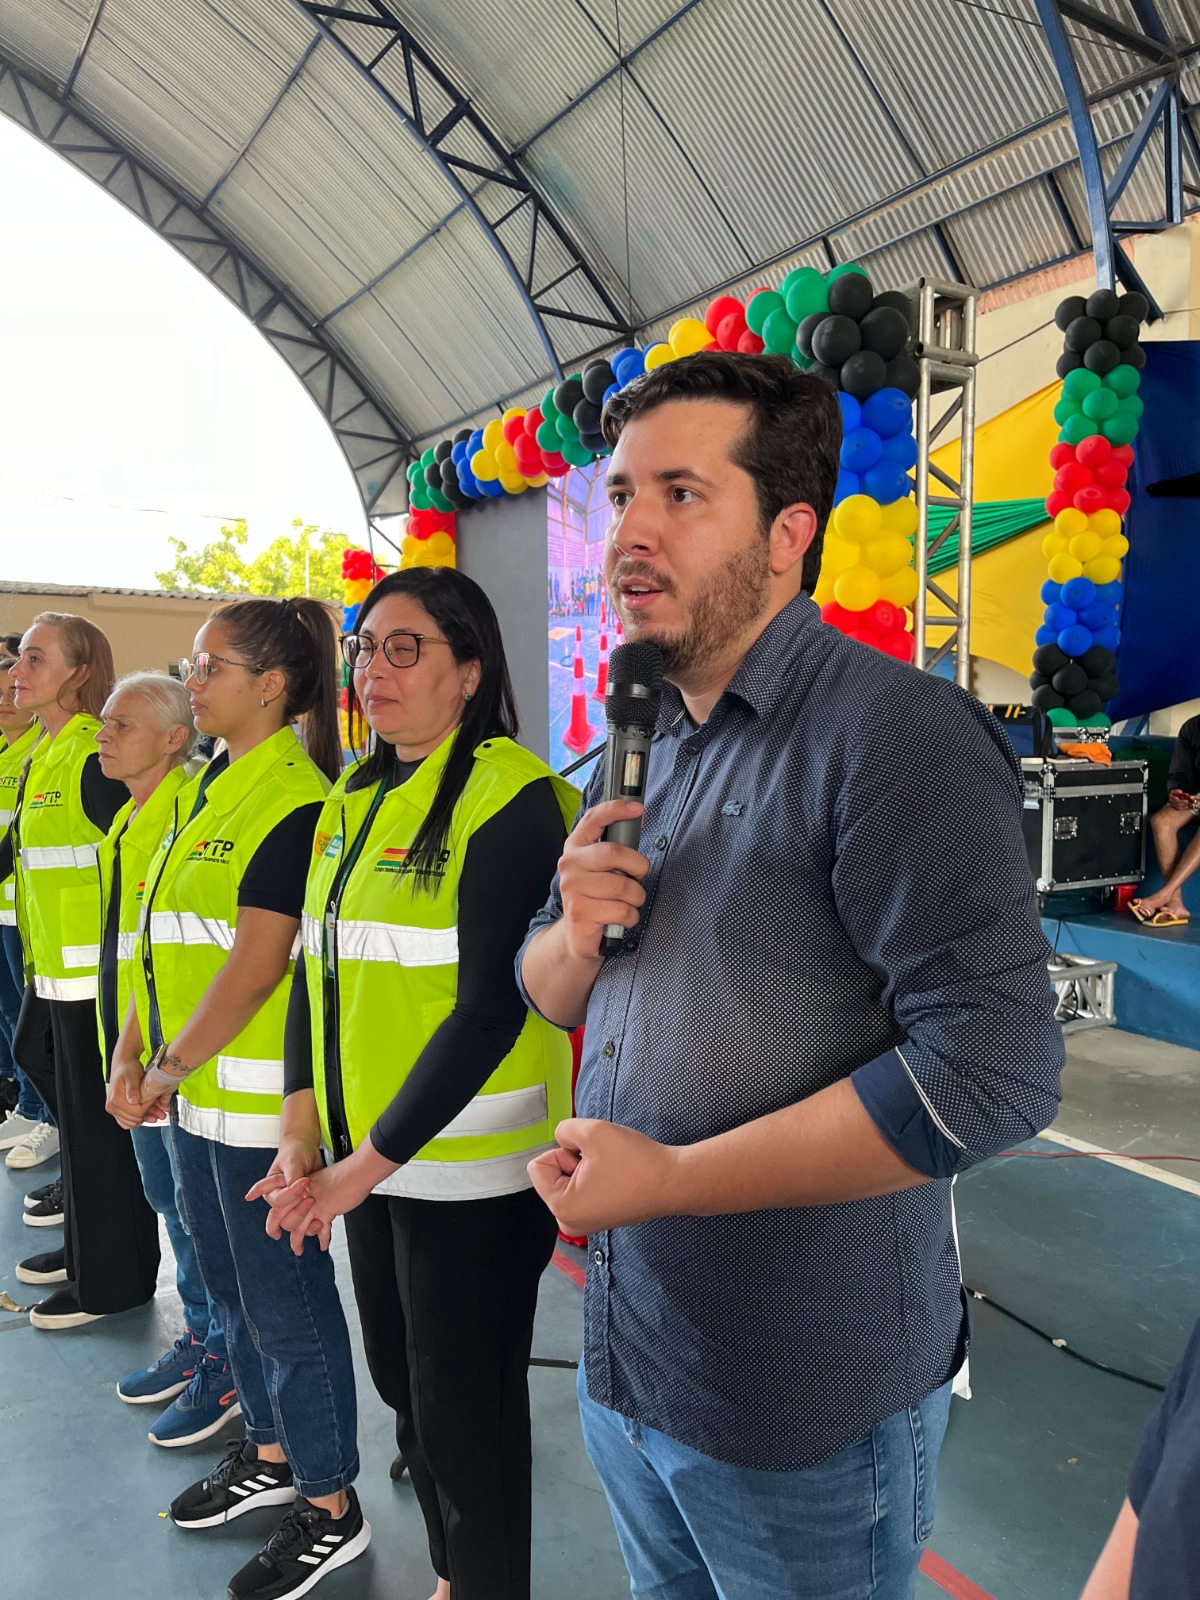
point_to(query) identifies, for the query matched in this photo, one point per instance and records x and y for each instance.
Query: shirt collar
(229, 788)
(765, 671)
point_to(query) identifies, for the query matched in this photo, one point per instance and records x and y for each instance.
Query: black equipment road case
(1084, 824)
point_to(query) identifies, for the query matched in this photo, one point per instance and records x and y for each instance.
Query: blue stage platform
(1157, 991)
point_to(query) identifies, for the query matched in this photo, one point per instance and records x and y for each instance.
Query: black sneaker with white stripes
(298, 1554)
(239, 1482)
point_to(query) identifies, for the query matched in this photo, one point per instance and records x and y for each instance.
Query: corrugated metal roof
(8, 587)
(756, 133)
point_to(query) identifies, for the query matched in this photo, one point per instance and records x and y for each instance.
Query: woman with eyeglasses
(220, 916)
(410, 1056)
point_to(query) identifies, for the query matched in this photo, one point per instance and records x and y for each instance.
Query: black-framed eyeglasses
(202, 663)
(402, 649)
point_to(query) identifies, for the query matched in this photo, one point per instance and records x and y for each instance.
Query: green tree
(309, 562)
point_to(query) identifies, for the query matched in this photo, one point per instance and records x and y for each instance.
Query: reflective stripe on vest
(248, 1130)
(81, 955)
(462, 1180)
(35, 859)
(408, 947)
(127, 944)
(189, 927)
(246, 1076)
(64, 988)
(506, 1112)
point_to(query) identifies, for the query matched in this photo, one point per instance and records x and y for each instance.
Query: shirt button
(608, 1049)
(661, 842)
(598, 1257)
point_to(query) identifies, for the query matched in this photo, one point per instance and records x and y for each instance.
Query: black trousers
(447, 1292)
(110, 1233)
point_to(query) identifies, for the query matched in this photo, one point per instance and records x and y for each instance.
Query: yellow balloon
(858, 589)
(513, 411)
(858, 517)
(441, 548)
(1084, 546)
(838, 555)
(689, 335)
(1102, 569)
(1070, 522)
(512, 483)
(1063, 568)
(483, 465)
(658, 355)
(901, 587)
(1105, 523)
(493, 435)
(1117, 545)
(506, 458)
(823, 589)
(887, 555)
(540, 482)
(358, 589)
(900, 517)
(1054, 544)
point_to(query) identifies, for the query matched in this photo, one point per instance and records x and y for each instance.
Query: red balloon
(1071, 478)
(529, 461)
(533, 421)
(1057, 502)
(1124, 454)
(731, 330)
(723, 306)
(884, 617)
(1092, 498)
(1118, 500)
(750, 344)
(865, 636)
(1112, 475)
(838, 617)
(1093, 451)
(554, 464)
(901, 645)
(513, 427)
(1061, 454)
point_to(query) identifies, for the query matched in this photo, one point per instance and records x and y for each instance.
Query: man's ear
(792, 532)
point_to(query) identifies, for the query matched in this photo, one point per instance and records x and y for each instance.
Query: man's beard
(728, 603)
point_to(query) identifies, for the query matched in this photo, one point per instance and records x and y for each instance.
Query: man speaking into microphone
(831, 997)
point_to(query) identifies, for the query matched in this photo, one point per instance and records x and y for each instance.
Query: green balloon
(760, 308)
(549, 409)
(779, 333)
(548, 438)
(439, 501)
(419, 498)
(1077, 428)
(1123, 381)
(415, 471)
(1131, 406)
(1065, 409)
(1100, 404)
(845, 266)
(566, 428)
(1081, 382)
(1119, 429)
(576, 453)
(804, 292)
(429, 457)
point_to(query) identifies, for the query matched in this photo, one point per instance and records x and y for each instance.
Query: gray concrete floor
(1031, 1474)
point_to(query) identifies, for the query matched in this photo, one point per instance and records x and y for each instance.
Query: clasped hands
(305, 1196)
(131, 1099)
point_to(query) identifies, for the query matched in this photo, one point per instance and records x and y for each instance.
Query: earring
(467, 695)
(264, 702)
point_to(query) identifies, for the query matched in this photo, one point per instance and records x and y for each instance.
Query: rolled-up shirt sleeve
(933, 886)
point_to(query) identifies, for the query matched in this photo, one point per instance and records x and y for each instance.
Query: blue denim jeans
(153, 1145)
(12, 992)
(289, 1348)
(693, 1528)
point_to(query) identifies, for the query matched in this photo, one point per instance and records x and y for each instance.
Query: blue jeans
(153, 1146)
(12, 992)
(693, 1528)
(288, 1344)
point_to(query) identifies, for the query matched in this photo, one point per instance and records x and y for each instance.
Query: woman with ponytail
(220, 916)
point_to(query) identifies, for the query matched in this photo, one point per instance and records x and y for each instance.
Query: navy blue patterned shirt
(838, 888)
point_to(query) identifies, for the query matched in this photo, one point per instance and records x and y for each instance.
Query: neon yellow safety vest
(189, 920)
(12, 758)
(137, 839)
(392, 968)
(58, 880)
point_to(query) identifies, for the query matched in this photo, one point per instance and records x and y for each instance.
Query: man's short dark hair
(790, 448)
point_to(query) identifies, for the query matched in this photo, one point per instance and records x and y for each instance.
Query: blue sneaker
(207, 1404)
(169, 1375)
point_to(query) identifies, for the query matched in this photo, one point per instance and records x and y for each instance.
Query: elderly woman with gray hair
(145, 738)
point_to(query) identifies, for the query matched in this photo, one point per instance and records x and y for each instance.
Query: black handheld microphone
(631, 702)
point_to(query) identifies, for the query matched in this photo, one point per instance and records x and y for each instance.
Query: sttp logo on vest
(218, 850)
(393, 860)
(47, 798)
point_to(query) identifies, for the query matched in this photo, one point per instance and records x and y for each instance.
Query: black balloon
(1096, 662)
(903, 373)
(897, 300)
(836, 338)
(568, 395)
(1068, 310)
(1102, 305)
(1047, 698)
(1067, 362)
(865, 372)
(456, 497)
(1049, 659)
(884, 330)
(1101, 357)
(1106, 687)
(831, 375)
(1135, 356)
(449, 471)
(462, 436)
(433, 475)
(1085, 704)
(597, 377)
(804, 333)
(1037, 679)
(1135, 306)
(851, 295)
(1121, 331)
(443, 448)
(1081, 333)
(1071, 679)
(586, 417)
(595, 442)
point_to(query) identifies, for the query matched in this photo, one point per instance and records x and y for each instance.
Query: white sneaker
(36, 1147)
(14, 1128)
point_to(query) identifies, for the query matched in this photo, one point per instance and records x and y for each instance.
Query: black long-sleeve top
(509, 864)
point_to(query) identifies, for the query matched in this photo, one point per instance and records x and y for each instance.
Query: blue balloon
(902, 449)
(1051, 592)
(613, 388)
(1112, 592)
(886, 482)
(1076, 641)
(851, 412)
(469, 483)
(458, 452)
(627, 365)
(847, 484)
(475, 443)
(888, 412)
(350, 616)
(1059, 617)
(1097, 616)
(1045, 635)
(860, 449)
(1079, 593)
(494, 489)
(1107, 638)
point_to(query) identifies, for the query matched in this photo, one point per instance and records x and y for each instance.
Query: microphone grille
(635, 680)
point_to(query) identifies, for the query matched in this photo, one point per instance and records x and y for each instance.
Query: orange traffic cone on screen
(602, 670)
(579, 735)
